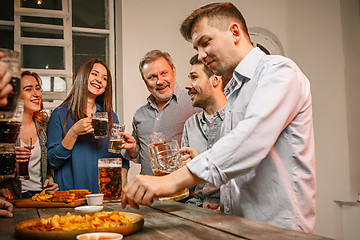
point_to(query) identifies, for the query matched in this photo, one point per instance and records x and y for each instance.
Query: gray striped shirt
(170, 121)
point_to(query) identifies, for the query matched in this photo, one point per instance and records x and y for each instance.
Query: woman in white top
(34, 126)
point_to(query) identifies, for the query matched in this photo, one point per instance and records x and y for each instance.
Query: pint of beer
(164, 159)
(7, 161)
(99, 121)
(116, 137)
(110, 178)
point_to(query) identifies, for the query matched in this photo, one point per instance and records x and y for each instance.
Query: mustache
(192, 91)
(161, 87)
(207, 60)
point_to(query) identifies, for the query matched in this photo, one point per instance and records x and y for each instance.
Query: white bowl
(88, 209)
(95, 199)
(99, 235)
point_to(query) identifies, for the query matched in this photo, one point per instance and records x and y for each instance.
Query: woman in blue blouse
(72, 149)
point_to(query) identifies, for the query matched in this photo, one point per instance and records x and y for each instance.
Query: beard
(203, 103)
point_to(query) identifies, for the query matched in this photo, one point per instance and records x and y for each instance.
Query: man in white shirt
(266, 158)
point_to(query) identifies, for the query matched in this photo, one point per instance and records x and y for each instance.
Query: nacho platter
(23, 231)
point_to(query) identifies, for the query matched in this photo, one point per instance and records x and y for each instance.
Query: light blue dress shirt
(266, 158)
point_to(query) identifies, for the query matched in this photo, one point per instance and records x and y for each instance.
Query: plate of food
(71, 198)
(68, 226)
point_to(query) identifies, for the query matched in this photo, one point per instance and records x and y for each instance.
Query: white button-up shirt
(267, 153)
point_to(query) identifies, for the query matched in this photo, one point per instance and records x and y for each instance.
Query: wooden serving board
(138, 223)
(32, 203)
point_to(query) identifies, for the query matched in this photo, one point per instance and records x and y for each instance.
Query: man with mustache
(165, 110)
(266, 157)
(202, 130)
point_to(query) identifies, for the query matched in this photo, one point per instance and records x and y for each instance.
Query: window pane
(7, 37)
(87, 46)
(89, 13)
(53, 84)
(41, 33)
(52, 21)
(7, 10)
(43, 57)
(42, 4)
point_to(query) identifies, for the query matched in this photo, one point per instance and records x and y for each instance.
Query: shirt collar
(175, 95)
(245, 69)
(220, 114)
(247, 66)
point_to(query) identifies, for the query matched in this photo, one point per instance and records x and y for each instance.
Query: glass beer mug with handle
(12, 58)
(99, 121)
(9, 132)
(116, 138)
(165, 158)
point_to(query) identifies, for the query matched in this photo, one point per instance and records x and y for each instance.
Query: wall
(314, 33)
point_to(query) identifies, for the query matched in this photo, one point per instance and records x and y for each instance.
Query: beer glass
(110, 178)
(100, 124)
(10, 127)
(23, 165)
(164, 159)
(7, 161)
(12, 58)
(116, 137)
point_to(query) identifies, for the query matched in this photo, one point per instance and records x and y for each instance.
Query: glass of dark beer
(23, 164)
(99, 121)
(110, 178)
(116, 137)
(10, 127)
(164, 159)
(12, 58)
(7, 161)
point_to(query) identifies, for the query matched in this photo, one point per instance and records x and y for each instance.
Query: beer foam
(110, 165)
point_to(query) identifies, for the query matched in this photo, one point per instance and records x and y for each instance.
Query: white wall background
(321, 36)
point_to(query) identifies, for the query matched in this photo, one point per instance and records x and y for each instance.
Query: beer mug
(110, 178)
(116, 137)
(7, 161)
(10, 127)
(12, 58)
(164, 159)
(99, 121)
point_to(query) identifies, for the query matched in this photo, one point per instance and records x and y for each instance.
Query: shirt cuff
(126, 155)
(203, 168)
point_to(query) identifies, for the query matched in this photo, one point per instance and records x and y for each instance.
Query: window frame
(67, 42)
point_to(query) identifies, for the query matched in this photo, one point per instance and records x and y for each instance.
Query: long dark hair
(40, 117)
(78, 96)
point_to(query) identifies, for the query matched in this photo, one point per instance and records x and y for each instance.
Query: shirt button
(210, 145)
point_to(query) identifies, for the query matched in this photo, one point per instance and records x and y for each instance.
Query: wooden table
(173, 221)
